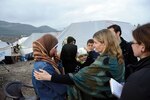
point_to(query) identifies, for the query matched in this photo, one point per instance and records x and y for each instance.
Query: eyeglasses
(133, 42)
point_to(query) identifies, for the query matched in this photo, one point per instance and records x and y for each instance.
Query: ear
(142, 48)
(118, 33)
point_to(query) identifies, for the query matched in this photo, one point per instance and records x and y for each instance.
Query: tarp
(5, 50)
(2, 55)
(83, 31)
(21, 40)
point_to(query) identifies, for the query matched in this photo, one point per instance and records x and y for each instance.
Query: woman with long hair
(92, 82)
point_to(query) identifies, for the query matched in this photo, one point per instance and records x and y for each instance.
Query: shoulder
(106, 60)
(126, 47)
(124, 43)
(140, 77)
(42, 65)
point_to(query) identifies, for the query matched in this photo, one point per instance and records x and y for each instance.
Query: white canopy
(83, 31)
(26, 46)
(21, 40)
(5, 50)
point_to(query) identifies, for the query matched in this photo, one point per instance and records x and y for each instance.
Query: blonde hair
(112, 45)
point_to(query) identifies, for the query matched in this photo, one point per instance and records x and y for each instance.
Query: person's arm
(43, 75)
(65, 79)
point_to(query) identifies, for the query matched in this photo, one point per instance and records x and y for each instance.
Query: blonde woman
(92, 82)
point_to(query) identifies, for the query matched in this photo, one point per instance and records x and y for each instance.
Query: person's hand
(87, 49)
(42, 75)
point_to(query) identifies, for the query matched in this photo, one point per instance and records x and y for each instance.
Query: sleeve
(65, 79)
(133, 59)
(92, 55)
(131, 92)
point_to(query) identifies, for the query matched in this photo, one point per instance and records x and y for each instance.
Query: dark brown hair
(90, 41)
(142, 35)
(116, 28)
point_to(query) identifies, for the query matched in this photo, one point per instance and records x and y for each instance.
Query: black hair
(70, 39)
(116, 28)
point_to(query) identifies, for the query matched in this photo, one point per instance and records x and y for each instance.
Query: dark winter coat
(137, 86)
(129, 57)
(68, 57)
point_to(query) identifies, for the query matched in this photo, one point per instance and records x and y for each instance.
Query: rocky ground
(20, 71)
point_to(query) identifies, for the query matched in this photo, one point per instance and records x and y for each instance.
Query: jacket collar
(143, 63)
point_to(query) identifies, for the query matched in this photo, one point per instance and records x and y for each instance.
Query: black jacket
(68, 57)
(129, 57)
(137, 86)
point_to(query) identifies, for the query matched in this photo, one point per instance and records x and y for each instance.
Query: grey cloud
(61, 13)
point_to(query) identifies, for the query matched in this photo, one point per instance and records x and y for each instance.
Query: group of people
(116, 59)
(74, 58)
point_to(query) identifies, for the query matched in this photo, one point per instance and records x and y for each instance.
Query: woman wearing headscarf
(45, 56)
(92, 82)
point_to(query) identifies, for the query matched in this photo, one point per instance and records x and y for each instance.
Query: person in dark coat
(137, 86)
(127, 51)
(68, 55)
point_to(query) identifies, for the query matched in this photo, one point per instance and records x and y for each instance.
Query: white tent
(83, 31)
(26, 46)
(5, 50)
(21, 40)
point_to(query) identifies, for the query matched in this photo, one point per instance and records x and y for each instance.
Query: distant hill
(7, 28)
(10, 32)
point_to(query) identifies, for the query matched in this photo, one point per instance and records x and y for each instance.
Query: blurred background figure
(68, 55)
(82, 55)
(127, 51)
(92, 54)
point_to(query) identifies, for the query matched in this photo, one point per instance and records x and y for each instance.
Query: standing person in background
(127, 51)
(68, 55)
(71, 40)
(93, 80)
(92, 54)
(81, 59)
(45, 56)
(137, 86)
(82, 55)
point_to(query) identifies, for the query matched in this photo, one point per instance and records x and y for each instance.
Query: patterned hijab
(42, 48)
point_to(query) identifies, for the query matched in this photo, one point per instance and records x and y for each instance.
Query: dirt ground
(20, 71)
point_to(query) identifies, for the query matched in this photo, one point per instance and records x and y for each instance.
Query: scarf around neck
(42, 48)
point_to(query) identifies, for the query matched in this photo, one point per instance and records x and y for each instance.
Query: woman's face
(99, 47)
(53, 52)
(138, 49)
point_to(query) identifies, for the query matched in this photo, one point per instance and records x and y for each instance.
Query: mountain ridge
(22, 29)
(10, 32)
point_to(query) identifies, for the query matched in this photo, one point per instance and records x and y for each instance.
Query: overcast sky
(61, 13)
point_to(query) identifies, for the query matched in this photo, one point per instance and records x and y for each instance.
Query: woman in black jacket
(137, 86)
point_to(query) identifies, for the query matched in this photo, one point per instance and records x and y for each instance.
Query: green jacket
(94, 79)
